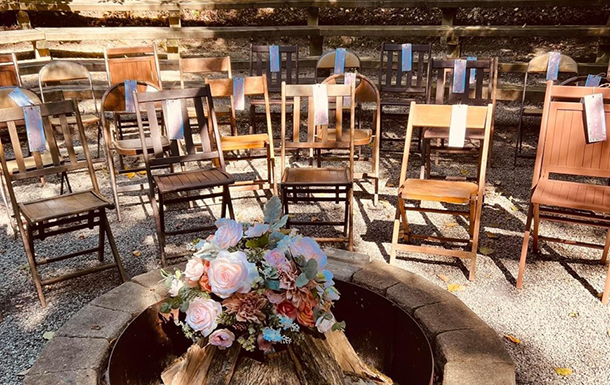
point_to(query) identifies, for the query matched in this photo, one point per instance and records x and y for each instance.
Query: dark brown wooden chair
(480, 93)
(200, 143)
(443, 191)
(122, 138)
(313, 184)
(244, 146)
(563, 154)
(50, 216)
(537, 66)
(133, 63)
(399, 88)
(9, 70)
(326, 64)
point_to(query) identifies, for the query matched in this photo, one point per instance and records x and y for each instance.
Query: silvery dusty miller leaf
(273, 210)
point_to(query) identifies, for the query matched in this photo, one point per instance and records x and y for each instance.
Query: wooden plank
(9, 5)
(19, 36)
(98, 5)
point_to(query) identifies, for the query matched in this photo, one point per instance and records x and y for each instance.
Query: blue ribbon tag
(130, 87)
(552, 69)
(595, 118)
(19, 97)
(339, 61)
(459, 76)
(593, 81)
(406, 53)
(274, 58)
(34, 128)
(320, 104)
(473, 71)
(173, 119)
(349, 79)
(239, 98)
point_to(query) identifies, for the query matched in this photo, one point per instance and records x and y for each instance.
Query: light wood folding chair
(443, 191)
(133, 63)
(9, 70)
(563, 152)
(326, 64)
(200, 143)
(240, 146)
(123, 137)
(316, 184)
(50, 216)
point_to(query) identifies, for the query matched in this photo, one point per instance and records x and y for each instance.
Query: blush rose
(231, 273)
(201, 315)
(229, 233)
(223, 338)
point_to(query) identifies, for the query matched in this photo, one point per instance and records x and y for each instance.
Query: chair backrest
(581, 80)
(9, 70)
(204, 67)
(57, 72)
(439, 116)
(539, 65)
(562, 146)
(7, 102)
(326, 64)
(133, 63)
(201, 140)
(336, 93)
(289, 65)
(479, 93)
(392, 79)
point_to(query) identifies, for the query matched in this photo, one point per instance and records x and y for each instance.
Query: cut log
(192, 368)
(315, 363)
(222, 368)
(278, 369)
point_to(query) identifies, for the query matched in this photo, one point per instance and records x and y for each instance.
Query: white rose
(175, 287)
(231, 273)
(229, 233)
(202, 314)
(208, 250)
(257, 230)
(194, 269)
(325, 325)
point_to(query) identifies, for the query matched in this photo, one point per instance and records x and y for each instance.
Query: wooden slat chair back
(537, 66)
(42, 218)
(562, 186)
(200, 143)
(396, 82)
(289, 65)
(9, 71)
(205, 67)
(365, 93)
(133, 63)
(122, 137)
(305, 184)
(480, 93)
(241, 146)
(443, 191)
(582, 80)
(326, 64)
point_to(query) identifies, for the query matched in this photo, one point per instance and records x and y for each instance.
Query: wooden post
(41, 47)
(315, 42)
(452, 42)
(173, 45)
(603, 49)
(23, 19)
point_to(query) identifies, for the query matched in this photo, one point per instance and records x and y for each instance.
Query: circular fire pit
(383, 335)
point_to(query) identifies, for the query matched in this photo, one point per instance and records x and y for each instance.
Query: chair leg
(28, 245)
(113, 181)
(100, 253)
(406, 230)
(606, 288)
(160, 236)
(113, 247)
(606, 248)
(519, 143)
(350, 244)
(428, 156)
(395, 233)
(227, 196)
(284, 199)
(475, 217)
(526, 239)
(536, 246)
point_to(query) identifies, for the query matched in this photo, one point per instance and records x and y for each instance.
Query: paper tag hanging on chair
(349, 79)
(320, 104)
(552, 69)
(473, 71)
(459, 76)
(593, 80)
(239, 97)
(173, 119)
(406, 55)
(34, 128)
(457, 127)
(339, 61)
(131, 86)
(19, 97)
(274, 58)
(595, 118)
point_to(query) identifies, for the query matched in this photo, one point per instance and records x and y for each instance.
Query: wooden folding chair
(538, 66)
(123, 137)
(9, 70)
(316, 184)
(563, 152)
(399, 88)
(198, 142)
(133, 63)
(240, 146)
(443, 191)
(366, 92)
(480, 93)
(326, 64)
(43, 218)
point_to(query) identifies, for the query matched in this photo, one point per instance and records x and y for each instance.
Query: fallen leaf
(141, 172)
(314, 219)
(384, 202)
(388, 216)
(453, 287)
(564, 371)
(574, 314)
(443, 277)
(48, 335)
(390, 185)
(464, 171)
(130, 175)
(450, 224)
(513, 339)
(608, 332)
(81, 236)
(291, 216)
(492, 235)
(486, 250)
(514, 208)
(137, 253)
(96, 327)
(23, 373)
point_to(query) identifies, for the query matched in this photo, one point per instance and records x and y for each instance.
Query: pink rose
(288, 309)
(194, 271)
(202, 314)
(229, 233)
(264, 345)
(231, 273)
(308, 248)
(277, 259)
(257, 230)
(223, 338)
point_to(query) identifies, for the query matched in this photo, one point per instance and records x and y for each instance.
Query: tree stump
(317, 359)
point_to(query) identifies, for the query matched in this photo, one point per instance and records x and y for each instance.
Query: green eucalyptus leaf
(339, 326)
(184, 307)
(165, 307)
(273, 210)
(252, 244)
(302, 280)
(273, 284)
(311, 269)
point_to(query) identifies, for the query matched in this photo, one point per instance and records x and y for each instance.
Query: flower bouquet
(258, 284)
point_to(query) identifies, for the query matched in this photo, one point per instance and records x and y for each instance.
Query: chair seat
(443, 133)
(310, 176)
(134, 146)
(192, 180)
(532, 111)
(63, 206)
(362, 137)
(86, 118)
(572, 195)
(446, 191)
(30, 163)
(244, 142)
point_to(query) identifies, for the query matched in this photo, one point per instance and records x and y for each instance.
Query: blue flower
(272, 335)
